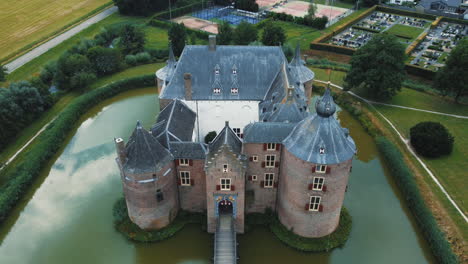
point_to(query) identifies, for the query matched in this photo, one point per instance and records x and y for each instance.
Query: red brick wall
(296, 175)
(193, 198)
(262, 198)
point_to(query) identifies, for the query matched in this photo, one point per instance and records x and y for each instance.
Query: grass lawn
(409, 32)
(156, 38)
(451, 169)
(27, 133)
(336, 77)
(26, 21)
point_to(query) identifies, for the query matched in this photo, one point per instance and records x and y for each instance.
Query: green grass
(408, 32)
(24, 22)
(336, 77)
(451, 169)
(156, 38)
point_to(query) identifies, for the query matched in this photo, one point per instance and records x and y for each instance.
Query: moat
(67, 216)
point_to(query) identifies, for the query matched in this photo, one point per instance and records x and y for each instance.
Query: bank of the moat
(66, 217)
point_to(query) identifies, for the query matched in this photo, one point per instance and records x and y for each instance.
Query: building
(270, 151)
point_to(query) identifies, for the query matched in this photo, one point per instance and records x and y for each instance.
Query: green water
(67, 217)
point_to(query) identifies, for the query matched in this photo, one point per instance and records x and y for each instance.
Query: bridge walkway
(225, 246)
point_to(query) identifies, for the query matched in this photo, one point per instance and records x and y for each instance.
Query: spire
(297, 61)
(325, 106)
(171, 54)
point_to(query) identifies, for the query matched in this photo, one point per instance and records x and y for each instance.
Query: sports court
(299, 9)
(197, 23)
(227, 13)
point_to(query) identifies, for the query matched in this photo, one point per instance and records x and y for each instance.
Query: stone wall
(294, 194)
(140, 194)
(258, 198)
(193, 198)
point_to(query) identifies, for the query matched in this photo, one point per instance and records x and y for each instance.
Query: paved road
(408, 145)
(43, 48)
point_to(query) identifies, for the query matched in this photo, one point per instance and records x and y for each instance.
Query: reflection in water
(68, 219)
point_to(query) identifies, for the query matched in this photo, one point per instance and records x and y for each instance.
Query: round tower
(303, 74)
(148, 180)
(315, 166)
(164, 75)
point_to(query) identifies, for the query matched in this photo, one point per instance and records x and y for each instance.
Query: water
(67, 217)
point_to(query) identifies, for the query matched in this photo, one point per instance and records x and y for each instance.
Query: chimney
(120, 147)
(290, 92)
(212, 42)
(188, 86)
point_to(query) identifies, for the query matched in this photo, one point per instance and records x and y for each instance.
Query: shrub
(47, 73)
(431, 139)
(210, 136)
(244, 33)
(104, 60)
(177, 36)
(273, 34)
(131, 60)
(405, 180)
(143, 58)
(132, 39)
(3, 73)
(74, 71)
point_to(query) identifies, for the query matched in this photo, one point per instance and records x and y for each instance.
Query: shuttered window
(225, 184)
(270, 161)
(314, 203)
(185, 178)
(318, 183)
(320, 168)
(269, 180)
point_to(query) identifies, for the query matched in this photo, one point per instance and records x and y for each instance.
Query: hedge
(51, 140)
(366, 29)
(454, 20)
(332, 48)
(440, 247)
(419, 71)
(405, 13)
(415, 43)
(130, 230)
(177, 12)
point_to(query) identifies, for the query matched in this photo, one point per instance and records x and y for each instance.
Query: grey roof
(255, 67)
(144, 153)
(318, 131)
(228, 138)
(167, 71)
(175, 123)
(298, 69)
(188, 150)
(267, 132)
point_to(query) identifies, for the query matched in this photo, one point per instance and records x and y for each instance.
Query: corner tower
(148, 179)
(301, 73)
(316, 163)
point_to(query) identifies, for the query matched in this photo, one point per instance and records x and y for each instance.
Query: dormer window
(234, 71)
(217, 90)
(322, 150)
(217, 71)
(234, 90)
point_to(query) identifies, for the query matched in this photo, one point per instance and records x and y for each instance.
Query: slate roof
(144, 153)
(167, 71)
(188, 150)
(255, 68)
(298, 69)
(228, 138)
(321, 130)
(175, 123)
(267, 132)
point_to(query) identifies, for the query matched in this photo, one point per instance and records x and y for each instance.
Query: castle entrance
(225, 207)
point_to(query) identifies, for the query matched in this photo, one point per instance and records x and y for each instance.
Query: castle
(270, 152)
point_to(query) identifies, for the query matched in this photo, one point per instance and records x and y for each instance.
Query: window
(314, 203)
(217, 90)
(225, 184)
(269, 180)
(234, 90)
(183, 162)
(185, 178)
(270, 161)
(234, 71)
(254, 177)
(237, 131)
(225, 168)
(318, 184)
(216, 71)
(254, 158)
(322, 150)
(159, 195)
(271, 146)
(321, 168)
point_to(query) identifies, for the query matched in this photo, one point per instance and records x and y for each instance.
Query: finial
(138, 125)
(226, 123)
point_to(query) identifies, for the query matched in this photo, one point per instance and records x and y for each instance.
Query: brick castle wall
(193, 198)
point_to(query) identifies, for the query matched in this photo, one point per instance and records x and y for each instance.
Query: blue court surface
(232, 16)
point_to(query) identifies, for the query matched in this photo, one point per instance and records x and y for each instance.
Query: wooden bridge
(225, 246)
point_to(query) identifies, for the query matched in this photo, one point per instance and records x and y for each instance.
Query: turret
(302, 74)
(164, 75)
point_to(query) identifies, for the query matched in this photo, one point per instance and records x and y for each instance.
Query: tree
(312, 9)
(3, 73)
(210, 136)
(104, 60)
(74, 71)
(249, 5)
(141, 7)
(431, 139)
(132, 39)
(225, 33)
(244, 33)
(273, 34)
(453, 77)
(378, 67)
(177, 36)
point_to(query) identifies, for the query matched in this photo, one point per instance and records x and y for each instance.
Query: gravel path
(43, 48)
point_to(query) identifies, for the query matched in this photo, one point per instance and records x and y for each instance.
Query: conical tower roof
(319, 138)
(144, 153)
(298, 69)
(167, 71)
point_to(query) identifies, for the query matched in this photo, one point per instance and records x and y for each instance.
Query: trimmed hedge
(454, 20)
(415, 43)
(405, 13)
(51, 140)
(332, 48)
(366, 29)
(130, 230)
(440, 247)
(419, 71)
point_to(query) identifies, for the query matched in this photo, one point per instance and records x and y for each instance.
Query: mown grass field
(409, 32)
(26, 21)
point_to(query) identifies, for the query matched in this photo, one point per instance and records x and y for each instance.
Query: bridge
(225, 246)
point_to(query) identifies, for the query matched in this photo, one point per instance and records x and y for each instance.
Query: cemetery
(432, 52)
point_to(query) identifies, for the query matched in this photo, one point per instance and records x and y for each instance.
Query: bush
(3, 73)
(51, 140)
(131, 60)
(143, 58)
(74, 72)
(104, 60)
(244, 34)
(132, 39)
(431, 139)
(273, 34)
(405, 179)
(210, 136)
